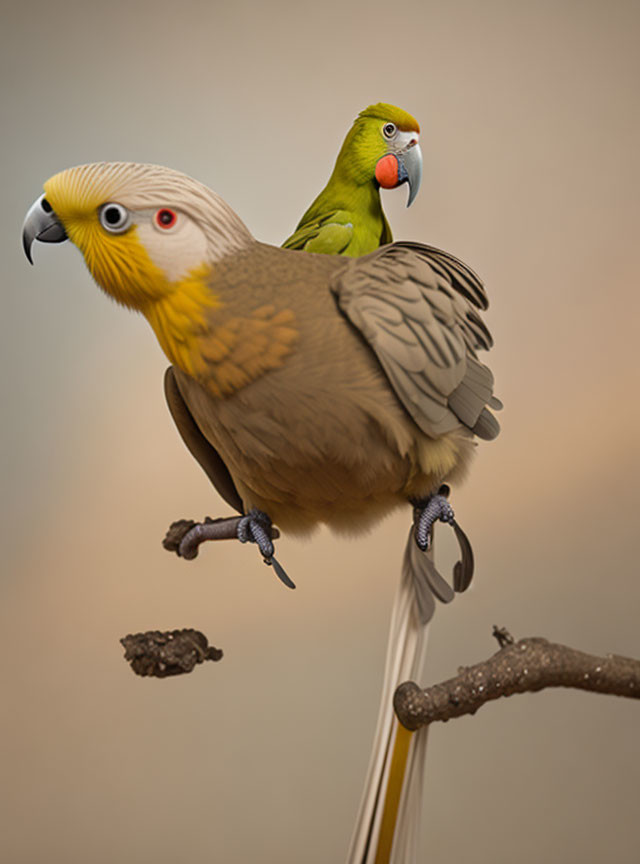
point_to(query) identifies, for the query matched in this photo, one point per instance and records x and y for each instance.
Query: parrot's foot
(185, 536)
(430, 510)
(256, 527)
(427, 511)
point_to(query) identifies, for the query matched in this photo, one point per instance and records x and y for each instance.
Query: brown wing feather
(417, 307)
(197, 444)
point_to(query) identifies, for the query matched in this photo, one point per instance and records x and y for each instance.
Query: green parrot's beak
(41, 223)
(410, 169)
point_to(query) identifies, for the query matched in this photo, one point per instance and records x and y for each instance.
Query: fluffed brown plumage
(314, 432)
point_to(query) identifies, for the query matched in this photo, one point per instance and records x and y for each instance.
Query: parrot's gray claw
(427, 511)
(255, 527)
(185, 536)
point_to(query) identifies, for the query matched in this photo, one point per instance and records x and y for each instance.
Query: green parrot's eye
(389, 130)
(115, 218)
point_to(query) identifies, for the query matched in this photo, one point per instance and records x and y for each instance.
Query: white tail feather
(406, 653)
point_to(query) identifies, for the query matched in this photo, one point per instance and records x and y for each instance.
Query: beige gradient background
(531, 135)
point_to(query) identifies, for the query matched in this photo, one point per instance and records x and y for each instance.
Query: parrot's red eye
(166, 218)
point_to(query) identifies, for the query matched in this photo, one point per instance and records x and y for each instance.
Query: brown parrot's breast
(317, 436)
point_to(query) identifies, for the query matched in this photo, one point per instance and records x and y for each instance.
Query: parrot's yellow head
(145, 231)
(151, 238)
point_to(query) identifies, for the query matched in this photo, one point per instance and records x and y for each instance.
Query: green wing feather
(340, 232)
(329, 235)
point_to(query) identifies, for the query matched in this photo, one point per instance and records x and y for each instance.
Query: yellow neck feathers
(222, 350)
(180, 319)
(177, 311)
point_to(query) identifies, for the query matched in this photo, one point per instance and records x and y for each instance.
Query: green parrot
(381, 149)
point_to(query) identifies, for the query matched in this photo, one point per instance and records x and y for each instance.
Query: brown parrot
(311, 388)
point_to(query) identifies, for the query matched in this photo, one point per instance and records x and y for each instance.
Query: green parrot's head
(382, 147)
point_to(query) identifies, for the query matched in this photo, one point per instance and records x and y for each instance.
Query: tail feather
(427, 583)
(407, 834)
(406, 653)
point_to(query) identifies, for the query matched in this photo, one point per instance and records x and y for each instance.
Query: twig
(518, 667)
(224, 528)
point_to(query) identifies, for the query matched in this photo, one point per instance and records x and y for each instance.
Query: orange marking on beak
(387, 171)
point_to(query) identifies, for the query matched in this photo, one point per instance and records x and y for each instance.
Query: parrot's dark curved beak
(410, 170)
(42, 224)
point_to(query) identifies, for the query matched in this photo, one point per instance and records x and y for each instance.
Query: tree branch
(525, 666)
